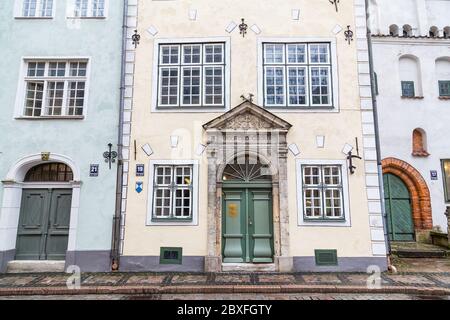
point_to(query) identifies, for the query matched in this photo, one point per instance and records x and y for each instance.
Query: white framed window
(297, 74)
(322, 192)
(173, 192)
(35, 8)
(89, 9)
(54, 88)
(191, 75)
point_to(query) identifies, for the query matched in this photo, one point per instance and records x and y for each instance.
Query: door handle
(250, 222)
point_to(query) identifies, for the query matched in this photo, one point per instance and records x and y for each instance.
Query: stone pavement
(427, 284)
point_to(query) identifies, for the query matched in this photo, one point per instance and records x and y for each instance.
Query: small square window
(408, 89)
(444, 88)
(171, 256)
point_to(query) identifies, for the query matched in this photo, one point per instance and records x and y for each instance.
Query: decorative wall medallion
(243, 28)
(45, 156)
(136, 37)
(348, 35)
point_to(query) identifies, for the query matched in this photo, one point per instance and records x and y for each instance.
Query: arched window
(247, 168)
(407, 30)
(447, 32)
(49, 172)
(410, 76)
(393, 30)
(419, 143)
(434, 32)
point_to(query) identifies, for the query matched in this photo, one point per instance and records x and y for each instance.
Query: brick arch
(420, 194)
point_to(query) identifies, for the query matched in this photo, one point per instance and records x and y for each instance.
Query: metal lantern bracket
(335, 2)
(243, 28)
(350, 158)
(110, 156)
(349, 35)
(136, 37)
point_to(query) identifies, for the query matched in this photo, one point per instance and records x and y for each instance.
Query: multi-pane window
(446, 174)
(172, 192)
(37, 8)
(297, 75)
(408, 89)
(90, 8)
(323, 192)
(55, 88)
(444, 88)
(191, 75)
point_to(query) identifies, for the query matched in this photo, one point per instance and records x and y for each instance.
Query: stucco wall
(171, 20)
(83, 141)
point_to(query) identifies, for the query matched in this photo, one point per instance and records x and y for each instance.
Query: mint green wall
(84, 141)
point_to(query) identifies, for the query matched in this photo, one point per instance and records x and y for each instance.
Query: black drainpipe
(377, 134)
(115, 246)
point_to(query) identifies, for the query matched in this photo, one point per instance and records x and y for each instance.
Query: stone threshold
(224, 289)
(248, 267)
(45, 266)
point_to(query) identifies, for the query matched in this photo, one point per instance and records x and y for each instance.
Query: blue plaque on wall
(93, 171)
(140, 170)
(434, 175)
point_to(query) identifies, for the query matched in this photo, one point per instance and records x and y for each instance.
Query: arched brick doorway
(419, 192)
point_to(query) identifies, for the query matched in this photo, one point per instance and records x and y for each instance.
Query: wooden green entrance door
(247, 225)
(44, 221)
(398, 209)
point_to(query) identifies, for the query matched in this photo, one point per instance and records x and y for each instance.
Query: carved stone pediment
(248, 116)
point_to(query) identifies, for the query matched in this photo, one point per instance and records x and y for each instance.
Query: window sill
(196, 109)
(33, 18)
(420, 154)
(50, 118)
(413, 98)
(87, 18)
(444, 97)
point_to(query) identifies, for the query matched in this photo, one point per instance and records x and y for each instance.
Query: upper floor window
(90, 8)
(297, 75)
(55, 88)
(444, 88)
(36, 9)
(191, 75)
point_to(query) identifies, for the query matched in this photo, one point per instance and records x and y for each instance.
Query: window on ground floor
(322, 192)
(444, 89)
(173, 191)
(446, 174)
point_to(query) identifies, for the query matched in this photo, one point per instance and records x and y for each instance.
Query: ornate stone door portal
(248, 133)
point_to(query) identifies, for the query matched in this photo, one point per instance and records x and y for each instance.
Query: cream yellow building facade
(239, 120)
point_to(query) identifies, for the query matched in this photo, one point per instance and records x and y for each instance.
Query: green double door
(247, 225)
(43, 231)
(398, 209)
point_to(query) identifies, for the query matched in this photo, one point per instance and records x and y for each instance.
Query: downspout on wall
(115, 246)
(377, 139)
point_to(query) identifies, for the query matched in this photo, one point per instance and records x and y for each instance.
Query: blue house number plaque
(140, 170)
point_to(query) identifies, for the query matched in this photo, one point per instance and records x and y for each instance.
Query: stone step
(414, 253)
(18, 266)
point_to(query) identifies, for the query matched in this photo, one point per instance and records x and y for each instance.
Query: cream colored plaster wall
(317, 20)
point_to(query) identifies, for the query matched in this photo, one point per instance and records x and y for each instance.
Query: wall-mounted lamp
(110, 156)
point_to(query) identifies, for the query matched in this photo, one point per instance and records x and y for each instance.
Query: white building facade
(411, 48)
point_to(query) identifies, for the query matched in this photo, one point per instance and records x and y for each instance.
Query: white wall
(399, 117)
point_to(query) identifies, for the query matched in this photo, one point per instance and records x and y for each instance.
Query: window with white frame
(90, 8)
(172, 192)
(323, 197)
(55, 88)
(297, 75)
(36, 9)
(191, 75)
